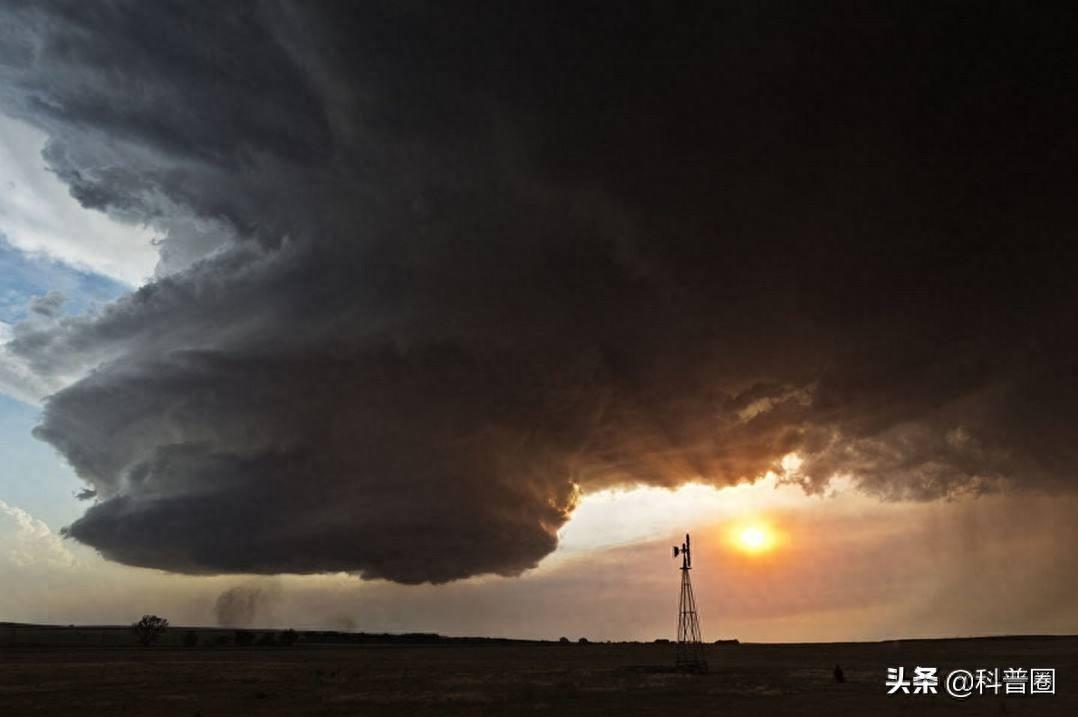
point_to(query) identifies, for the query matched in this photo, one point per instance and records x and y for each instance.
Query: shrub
(288, 637)
(190, 639)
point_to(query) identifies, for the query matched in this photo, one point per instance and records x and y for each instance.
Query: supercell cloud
(427, 273)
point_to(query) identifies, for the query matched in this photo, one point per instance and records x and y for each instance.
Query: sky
(407, 317)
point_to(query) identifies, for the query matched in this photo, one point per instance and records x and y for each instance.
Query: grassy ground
(552, 679)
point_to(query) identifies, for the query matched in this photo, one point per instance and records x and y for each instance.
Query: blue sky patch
(24, 276)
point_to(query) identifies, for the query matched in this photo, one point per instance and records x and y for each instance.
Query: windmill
(690, 651)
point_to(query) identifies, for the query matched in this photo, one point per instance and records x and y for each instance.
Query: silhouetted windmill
(690, 651)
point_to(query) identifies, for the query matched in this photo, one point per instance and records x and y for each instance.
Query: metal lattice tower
(690, 650)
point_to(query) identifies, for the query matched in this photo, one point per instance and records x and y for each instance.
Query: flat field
(519, 679)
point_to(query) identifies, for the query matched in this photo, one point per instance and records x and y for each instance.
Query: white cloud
(28, 542)
(39, 215)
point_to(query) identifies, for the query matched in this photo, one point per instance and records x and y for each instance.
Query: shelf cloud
(424, 278)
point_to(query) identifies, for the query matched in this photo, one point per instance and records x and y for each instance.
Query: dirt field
(594, 679)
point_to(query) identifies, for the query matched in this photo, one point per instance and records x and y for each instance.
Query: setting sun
(755, 538)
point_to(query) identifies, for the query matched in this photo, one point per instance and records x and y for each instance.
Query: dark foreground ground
(596, 679)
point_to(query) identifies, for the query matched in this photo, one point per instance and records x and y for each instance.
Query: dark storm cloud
(429, 272)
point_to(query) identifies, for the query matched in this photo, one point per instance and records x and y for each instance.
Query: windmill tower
(690, 651)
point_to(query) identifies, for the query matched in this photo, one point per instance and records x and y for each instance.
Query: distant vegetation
(149, 629)
(157, 631)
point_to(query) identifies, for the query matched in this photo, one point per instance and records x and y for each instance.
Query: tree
(149, 629)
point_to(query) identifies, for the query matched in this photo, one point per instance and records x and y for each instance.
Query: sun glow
(754, 538)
